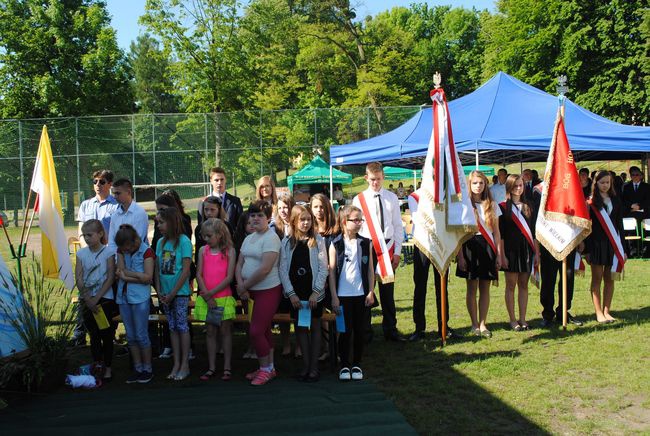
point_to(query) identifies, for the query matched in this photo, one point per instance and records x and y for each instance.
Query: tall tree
(153, 82)
(202, 36)
(598, 45)
(60, 59)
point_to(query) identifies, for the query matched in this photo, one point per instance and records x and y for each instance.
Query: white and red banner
(384, 251)
(55, 257)
(563, 220)
(445, 216)
(521, 223)
(614, 239)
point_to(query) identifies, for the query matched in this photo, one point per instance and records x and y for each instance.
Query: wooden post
(564, 295)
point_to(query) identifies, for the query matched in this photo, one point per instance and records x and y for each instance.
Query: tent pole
(477, 163)
(332, 185)
(415, 179)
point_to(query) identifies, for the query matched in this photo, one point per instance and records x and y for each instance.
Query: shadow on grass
(436, 397)
(625, 318)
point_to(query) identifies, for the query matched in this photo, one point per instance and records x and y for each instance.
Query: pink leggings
(266, 304)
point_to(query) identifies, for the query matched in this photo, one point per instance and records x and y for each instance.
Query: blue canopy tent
(505, 120)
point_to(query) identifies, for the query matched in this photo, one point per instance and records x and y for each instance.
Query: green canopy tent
(317, 171)
(488, 171)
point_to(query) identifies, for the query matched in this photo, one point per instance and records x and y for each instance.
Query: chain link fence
(157, 151)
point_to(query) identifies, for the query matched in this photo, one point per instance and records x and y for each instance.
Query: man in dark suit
(549, 270)
(527, 176)
(230, 203)
(636, 196)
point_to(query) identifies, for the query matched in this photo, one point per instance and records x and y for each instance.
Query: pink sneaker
(252, 375)
(263, 377)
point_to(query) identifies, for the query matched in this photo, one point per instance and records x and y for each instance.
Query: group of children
(312, 260)
(257, 264)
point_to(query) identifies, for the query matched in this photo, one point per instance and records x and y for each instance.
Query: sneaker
(134, 377)
(252, 375)
(166, 354)
(145, 377)
(344, 374)
(357, 374)
(263, 377)
(191, 355)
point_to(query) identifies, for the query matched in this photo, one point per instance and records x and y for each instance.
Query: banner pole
(443, 307)
(564, 295)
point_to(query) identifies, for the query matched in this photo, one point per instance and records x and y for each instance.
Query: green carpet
(282, 407)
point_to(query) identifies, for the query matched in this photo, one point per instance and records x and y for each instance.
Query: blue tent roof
(506, 120)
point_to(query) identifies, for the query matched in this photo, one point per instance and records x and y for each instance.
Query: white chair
(645, 231)
(630, 225)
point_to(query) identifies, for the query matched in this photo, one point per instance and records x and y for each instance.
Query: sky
(125, 13)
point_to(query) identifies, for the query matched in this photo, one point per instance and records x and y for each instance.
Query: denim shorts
(136, 323)
(176, 313)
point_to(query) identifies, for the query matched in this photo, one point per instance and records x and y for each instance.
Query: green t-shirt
(170, 264)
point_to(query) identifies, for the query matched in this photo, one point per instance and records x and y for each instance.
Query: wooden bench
(279, 318)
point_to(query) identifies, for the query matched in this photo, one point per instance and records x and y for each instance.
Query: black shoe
(123, 351)
(394, 337)
(416, 336)
(573, 320)
(546, 323)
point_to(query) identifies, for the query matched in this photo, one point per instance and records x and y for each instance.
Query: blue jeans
(136, 323)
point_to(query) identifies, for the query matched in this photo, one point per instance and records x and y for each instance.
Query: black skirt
(601, 252)
(480, 260)
(520, 257)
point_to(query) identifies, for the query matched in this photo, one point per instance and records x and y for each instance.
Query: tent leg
(331, 184)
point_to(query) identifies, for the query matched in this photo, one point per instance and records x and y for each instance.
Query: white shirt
(498, 192)
(135, 216)
(392, 216)
(350, 282)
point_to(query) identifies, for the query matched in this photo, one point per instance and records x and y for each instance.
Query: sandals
(227, 375)
(516, 327)
(181, 375)
(208, 375)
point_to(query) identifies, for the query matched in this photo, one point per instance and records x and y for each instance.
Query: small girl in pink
(214, 273)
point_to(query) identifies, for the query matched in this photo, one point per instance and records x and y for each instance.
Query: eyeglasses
(357, 221)
(99, 181)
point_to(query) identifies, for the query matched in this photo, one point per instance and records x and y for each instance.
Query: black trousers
(421, 264)
(549, 269)
(354, 313)
(387, 300)
(101, 341)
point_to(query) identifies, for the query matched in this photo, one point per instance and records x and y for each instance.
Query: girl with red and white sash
(604, 247)
(518, 248)
(480, 257)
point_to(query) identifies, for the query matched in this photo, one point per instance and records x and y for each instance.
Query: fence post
(153, 148)
(368, 122)
(22, 169)
(133, 151)
(261, 148)
(315, 127)
(76, 138)
(205, 133)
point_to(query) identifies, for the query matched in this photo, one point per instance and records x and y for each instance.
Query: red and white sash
(521, 223)
(487, 234)
(384, 251)
(614, 239)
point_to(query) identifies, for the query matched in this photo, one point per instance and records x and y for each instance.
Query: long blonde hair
(487, 203)
(294, 224)
(263, 181)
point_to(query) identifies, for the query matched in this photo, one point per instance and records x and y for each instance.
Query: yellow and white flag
(54, 257)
